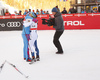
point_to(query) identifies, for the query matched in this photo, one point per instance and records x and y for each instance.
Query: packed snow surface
(80, 61)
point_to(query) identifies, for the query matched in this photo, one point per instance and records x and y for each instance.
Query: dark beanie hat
(54, 9)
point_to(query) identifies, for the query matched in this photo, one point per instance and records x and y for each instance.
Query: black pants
(56, 40)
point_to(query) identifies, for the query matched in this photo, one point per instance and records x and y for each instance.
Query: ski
(2, 66)
(33, 60)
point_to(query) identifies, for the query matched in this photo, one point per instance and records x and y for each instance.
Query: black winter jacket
(59, 23)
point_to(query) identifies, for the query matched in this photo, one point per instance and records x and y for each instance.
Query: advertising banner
(71, 21)
(74, 21)
(82, 21)
(10, 24)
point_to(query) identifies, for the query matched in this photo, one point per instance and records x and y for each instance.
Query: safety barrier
(71, 21)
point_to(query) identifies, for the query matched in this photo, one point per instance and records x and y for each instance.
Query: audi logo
(14, 24)
(2, 24)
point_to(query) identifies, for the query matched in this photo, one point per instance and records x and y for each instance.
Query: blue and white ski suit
(26, 36)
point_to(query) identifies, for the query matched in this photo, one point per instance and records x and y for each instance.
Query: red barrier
(71, 21)
(82, 21)
(75, 21)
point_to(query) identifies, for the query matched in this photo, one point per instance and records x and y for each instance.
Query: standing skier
(33, 38)
(29, 35)
(59, 29)
(26, 37)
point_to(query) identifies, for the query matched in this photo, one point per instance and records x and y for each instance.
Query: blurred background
(35, 4)
(70, 6)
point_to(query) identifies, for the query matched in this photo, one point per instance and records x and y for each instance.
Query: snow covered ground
(80, 61)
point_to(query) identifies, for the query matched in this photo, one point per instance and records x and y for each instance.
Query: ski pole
(2, 65)
(17, 69)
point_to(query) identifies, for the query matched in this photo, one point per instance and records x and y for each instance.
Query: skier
(33, 39)
(26, 37)
(29, 35)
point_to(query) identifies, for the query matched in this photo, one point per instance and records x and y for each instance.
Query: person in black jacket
(59, 26)
(99, 9)
(64, 11)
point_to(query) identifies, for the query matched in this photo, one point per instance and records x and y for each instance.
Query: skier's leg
(35, 43)
(37, 51)
(31, 43)
(27, 43)
(36, 48)
(23, 36)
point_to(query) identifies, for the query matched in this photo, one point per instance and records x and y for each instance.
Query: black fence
(10, 24)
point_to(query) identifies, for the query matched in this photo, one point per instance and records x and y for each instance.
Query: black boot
(37, 58)
(61, 52)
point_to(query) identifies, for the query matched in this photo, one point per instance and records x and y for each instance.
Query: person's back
(47, 12)
(82, 12)
(7, 14)
(34, 14)
(26, 12)
(20, 12)
(37, 13)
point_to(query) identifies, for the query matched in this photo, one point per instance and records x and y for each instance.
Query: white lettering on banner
(79, 15)
(7, 16)
(17, 16)
(74, 23)
(13, 24)
(42, 16)
(1, 16)
(14, 17)
(93, 14)
(2, 24)
(67, 15)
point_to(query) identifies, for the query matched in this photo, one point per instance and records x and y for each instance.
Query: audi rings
(2, 24)
(13, 24)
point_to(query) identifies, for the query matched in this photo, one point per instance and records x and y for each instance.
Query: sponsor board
(10, 24)
(71, 21)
